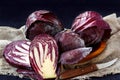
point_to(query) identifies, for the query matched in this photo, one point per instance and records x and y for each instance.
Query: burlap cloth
(9, 34)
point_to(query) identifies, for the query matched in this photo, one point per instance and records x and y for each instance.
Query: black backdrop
(15, 12)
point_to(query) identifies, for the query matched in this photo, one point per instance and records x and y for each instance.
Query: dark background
(15, 12)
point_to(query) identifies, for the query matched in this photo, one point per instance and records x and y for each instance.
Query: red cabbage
(91, 27)
(42, 21)
(17, 54)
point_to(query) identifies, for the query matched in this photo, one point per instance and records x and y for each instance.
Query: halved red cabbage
(17, 54)
(91, 27)
(42, 21)
(44, 55)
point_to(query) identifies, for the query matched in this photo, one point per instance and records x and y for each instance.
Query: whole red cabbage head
(91, 27)
(42, 21)
(68, 40)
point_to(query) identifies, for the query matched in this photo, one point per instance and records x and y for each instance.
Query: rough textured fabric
(12, 34)
(113, 22)
(7, 35)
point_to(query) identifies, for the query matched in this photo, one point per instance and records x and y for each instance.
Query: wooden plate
(94, 53)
